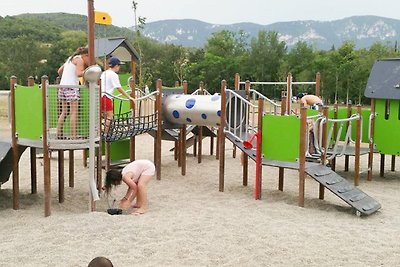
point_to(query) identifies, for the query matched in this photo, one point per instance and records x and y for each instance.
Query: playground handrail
(196, 92)
(125, 99)
(347, 139)
(247, 109)
(274, 106)
(371, 117)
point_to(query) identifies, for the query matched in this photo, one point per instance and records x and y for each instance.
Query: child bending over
(136, 175)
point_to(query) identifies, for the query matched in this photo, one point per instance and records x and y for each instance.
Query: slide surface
(6, 160)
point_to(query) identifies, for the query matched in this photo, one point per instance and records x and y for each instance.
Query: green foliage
(37, 44)
(12, 27)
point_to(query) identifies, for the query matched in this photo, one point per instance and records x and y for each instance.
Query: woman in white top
(69, 96)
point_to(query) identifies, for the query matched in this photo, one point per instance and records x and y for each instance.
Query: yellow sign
(102, 18)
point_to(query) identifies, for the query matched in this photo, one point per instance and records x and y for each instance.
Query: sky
(212, 11)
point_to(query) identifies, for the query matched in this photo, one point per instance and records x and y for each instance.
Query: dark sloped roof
(117, 47)
(384, 80)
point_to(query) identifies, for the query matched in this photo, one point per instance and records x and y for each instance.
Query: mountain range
(362, 30)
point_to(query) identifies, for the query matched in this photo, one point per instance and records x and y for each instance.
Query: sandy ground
(191, 223)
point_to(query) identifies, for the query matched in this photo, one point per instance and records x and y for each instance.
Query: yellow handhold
(102, 18)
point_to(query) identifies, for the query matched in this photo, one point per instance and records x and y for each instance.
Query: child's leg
(61, 119)
(129, 198)
(107, 121)
(142, 201)
(74, 118)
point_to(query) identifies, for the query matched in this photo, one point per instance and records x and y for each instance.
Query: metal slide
(6, 160)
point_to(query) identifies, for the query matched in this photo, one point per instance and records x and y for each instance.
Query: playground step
(339, 186)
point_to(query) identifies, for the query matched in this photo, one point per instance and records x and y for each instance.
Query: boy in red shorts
(110, 82)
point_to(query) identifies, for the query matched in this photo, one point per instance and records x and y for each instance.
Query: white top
(69, 76)
(138, 168)
(109, 81)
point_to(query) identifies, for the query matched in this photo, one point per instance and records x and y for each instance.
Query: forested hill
(75, 22)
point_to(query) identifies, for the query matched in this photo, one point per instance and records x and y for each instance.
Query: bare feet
(135, 206)
(124, 204)
(139, 212)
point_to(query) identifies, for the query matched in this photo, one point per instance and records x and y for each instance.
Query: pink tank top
(138, 168)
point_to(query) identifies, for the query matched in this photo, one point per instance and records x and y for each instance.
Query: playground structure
(384, 90)
(239, 115)
(238, 120)
(278, 139)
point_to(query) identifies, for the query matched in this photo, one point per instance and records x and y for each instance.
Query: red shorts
(106, 104)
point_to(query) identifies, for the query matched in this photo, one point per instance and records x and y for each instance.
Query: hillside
(362, 30)
(77, 22)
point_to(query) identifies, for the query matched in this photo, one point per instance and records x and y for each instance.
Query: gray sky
(212, 11)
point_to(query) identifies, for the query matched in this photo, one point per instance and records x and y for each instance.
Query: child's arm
(122, 91)
(80, 66)
(60, 70)
(131, 184)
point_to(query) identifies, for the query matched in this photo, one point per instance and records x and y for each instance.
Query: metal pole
(94, 194)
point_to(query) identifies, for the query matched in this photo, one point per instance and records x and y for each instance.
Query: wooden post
(335, 116)
(14, 144)
(71, 167)
(90, 24)
(324, 145)
(244, 157)
(159, 130)
(371, 141)
(357, 149)
(259, 148)
(46, 155)
(33, 170)
(346, 157)
(183, 143)
(382, 166)
(289, 93)
(318, 85)
(221, 138)
(302, 154)
(393, 166)
(31, 81)
(200, 137)
(132, 141)
(61, 197)
(237, 81)
(281, 169)
(108, 155)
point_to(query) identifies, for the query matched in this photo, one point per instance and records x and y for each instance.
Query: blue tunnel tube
(201, 110)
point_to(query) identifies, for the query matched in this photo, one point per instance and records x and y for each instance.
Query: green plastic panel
(281, 138)
(123, 78)
(28, 112)
(119, 150)
(386, 135)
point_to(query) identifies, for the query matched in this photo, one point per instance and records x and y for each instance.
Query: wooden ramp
(342, 188)
(359, 200)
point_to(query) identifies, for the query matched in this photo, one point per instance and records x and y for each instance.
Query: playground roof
(117, 47)
(384, 80)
